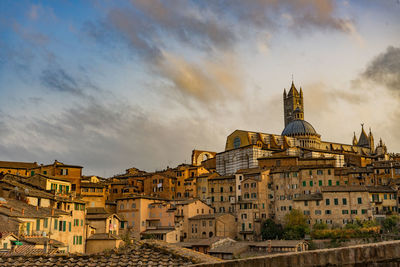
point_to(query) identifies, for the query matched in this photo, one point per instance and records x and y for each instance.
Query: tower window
(236, 142)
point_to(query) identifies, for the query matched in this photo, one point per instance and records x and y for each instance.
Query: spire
(354, 139)
(363, 140)
(301, 92)
(284, 93)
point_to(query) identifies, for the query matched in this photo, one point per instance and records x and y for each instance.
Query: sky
(110, 85)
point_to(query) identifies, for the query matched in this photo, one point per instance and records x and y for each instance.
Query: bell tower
(293, 105)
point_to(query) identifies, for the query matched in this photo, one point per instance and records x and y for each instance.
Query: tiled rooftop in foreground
(151, 253)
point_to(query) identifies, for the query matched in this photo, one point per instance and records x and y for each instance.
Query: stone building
(205, 226)
(185, 209)
(17, 168)
(222, 193)
(253, 204)
(72, 173)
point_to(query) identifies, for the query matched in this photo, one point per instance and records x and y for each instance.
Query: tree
(271, 230)
(320, 226)
(296, 225)
(390, 223)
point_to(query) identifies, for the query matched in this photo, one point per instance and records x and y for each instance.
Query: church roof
(293, 90)
(363, 140)
(299, 127)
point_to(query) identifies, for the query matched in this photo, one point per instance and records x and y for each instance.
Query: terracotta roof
(19, 209)
(347, 188)
(17, 165)
(103, 236)
(40, 240)
(27, 250)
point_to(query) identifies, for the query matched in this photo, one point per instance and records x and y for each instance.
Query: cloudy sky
(116, 84)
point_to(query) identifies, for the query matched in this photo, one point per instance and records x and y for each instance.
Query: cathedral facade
(298, 138)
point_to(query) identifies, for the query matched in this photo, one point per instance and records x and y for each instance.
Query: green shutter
(64, 226)
(67, 188)
(304, 183)
(28, 227)
(337, 183)
(329, 182)
(55, 224)
(69, 226)
(320, 182)
(74, 240)
(46, 223)
(37, 224)
(80, 240)
(311, 183)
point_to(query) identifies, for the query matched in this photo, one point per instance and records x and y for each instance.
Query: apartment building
(222, 193)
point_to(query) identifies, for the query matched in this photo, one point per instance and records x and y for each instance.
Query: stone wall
(374, 254)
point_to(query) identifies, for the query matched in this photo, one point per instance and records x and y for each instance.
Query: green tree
(390, 223)
(296, 225)
(320, 226)
(271, 230)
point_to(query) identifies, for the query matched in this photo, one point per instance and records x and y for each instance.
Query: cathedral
(298, 138)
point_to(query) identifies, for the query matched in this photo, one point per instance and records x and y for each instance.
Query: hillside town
(218, 204)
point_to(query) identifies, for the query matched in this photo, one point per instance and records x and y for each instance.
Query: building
(254, 204)
(222, 193)
(17, 168)
(72, 173)
(205, 226)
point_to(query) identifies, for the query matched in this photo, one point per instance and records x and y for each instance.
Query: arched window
(210, 234)
(236, 142)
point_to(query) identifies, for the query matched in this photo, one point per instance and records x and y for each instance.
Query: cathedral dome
(299, 127)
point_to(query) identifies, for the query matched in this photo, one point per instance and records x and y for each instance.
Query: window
(328, 212)
(336, 201)
(249, 225)
(305, 203)
(121, 207)
(37, 224)
(345, 212)
(212, 189)
(337, 183)
(363, 211)
(320, 172)
(236, 142)
(327, 202)
(330, 182)
(344, 201)
(306, 212)
(55, 224)
(231, 189)
(385, 196)
(133, 205)
(64, 171)
(210, 223)
(353, 211)
(222, 189)
(359, 200)
(304, 183)
(320, 182)
(329, 171)
(69, 226)
(46, 223)
(317, 212)
(310, 172)
(222, 198)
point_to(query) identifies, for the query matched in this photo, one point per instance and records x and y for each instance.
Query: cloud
(384, 69)
(157, 32)
(107, 138)
(57, 79)
(207, 81)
